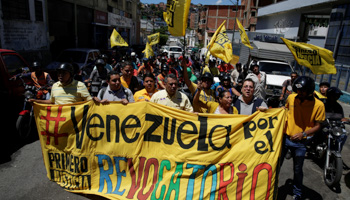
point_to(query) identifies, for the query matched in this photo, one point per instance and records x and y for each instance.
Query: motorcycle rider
(66, 90)
(304, 119)
(99, 74)
(40, 79)
(334, 109)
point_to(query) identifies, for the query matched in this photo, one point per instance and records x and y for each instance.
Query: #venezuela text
(171, 129)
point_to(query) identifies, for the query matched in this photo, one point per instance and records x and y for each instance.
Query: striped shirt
(74, 92)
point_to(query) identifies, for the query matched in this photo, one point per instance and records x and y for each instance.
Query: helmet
(36, 65)
(226, 77)
(164, 68)
(304, 83)
(245, 68)
(100, 61)
(133, 54)
(103, 56)
(221, 75)
(253, 64)
(207, 75)
(212, 59)
(334, 91)
(66, 67)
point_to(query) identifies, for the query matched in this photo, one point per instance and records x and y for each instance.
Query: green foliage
(163, 38)
(161, 30)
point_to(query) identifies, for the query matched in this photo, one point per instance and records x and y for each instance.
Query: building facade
(324, 23)
(46, 27)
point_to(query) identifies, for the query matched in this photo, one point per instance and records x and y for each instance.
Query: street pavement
(23, 176)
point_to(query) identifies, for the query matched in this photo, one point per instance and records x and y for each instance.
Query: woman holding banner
(221, 107)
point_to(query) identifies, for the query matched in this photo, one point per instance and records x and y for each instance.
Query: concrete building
(23, 27)
(325, 23)
(212, 16)
(46, 27)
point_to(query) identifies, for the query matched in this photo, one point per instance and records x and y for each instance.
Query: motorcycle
(25, 121)
(328, 146)
(96, 86)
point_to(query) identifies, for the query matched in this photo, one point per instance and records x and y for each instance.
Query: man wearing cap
(206, 94)
(66, 90)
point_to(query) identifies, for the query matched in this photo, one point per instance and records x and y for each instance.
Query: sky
(204, 2)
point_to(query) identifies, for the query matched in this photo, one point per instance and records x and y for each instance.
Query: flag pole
(183, 53)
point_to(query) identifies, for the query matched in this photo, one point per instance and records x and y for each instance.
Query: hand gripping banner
(149, 151)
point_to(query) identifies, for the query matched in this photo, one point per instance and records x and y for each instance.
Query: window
(110, 9)
(15, 9)
(13, 63)
(253, 13)
(39, 11)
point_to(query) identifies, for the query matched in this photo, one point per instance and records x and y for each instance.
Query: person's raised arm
(185, 75)
(196, 100)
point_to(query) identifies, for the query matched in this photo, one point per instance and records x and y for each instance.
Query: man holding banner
(171, 96)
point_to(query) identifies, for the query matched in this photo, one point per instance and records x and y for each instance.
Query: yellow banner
(176, 16)
(148, 51)
(220, 46)
(153, 39)
(149, 151)
(244, 36)
(117, 40)
(319, 60)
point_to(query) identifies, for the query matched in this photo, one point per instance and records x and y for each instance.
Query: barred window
(39, 11)
(15, 9)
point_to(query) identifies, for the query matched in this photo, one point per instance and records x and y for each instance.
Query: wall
(286, 23)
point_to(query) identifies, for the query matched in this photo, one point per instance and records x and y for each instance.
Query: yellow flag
(244, 36)
(319, 60)
(176, 16)
(148, 51)
(153, 39)
(117, 40)
(220, 46)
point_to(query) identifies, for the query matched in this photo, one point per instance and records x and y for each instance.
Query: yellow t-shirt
(303, 115)
(320, 96)
(204, 96)
(76, 91)
(143, 95)
(125, 83)
(214, 70)
(212, 106)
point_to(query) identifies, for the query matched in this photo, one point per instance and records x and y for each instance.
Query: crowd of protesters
(241, 90)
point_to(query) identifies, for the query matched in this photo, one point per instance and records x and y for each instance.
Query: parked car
(11, 63)
(276, 73)
(83, 57)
